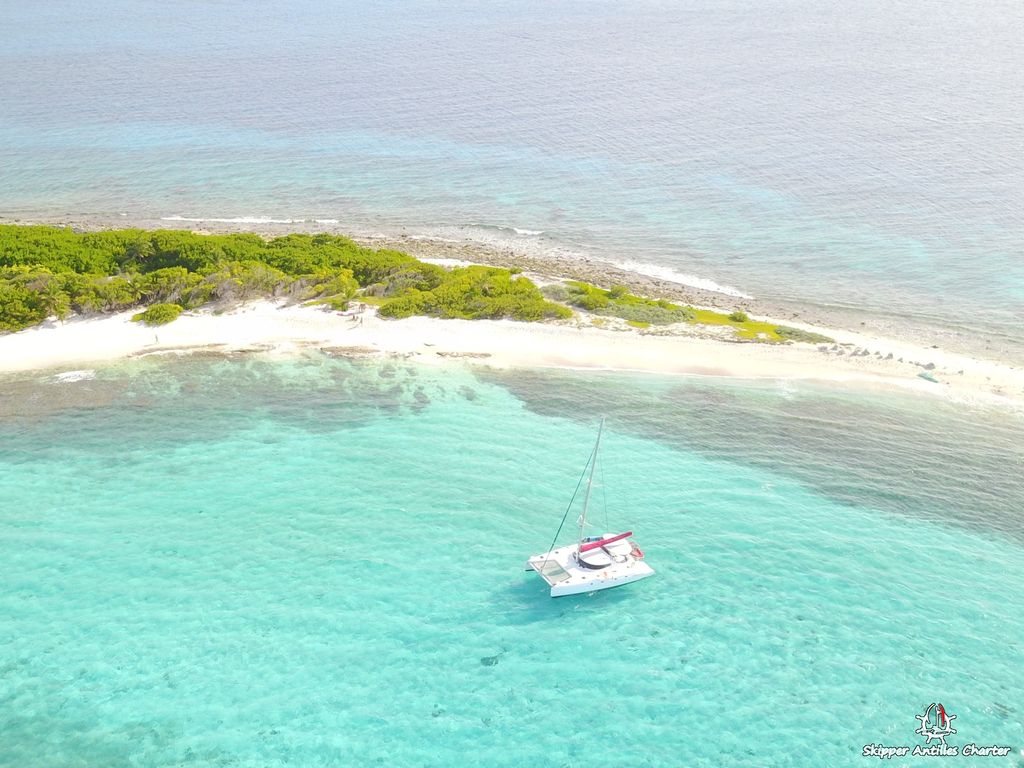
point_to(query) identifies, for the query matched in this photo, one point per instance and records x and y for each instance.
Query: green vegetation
(642, 313)
(754, 330)
(52, 271)
(475, 293)
(617, 302)
(749, 330)
(795, 334)
(158, 314)
(375, 301)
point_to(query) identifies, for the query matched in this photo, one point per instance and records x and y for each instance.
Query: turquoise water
(318, 562)
(855, 154)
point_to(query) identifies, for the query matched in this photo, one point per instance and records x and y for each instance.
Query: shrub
(555, 292)
(416, 276)
(168, 284)
(240, 280)
(49, 270)
(334, 302)
(625, 305)
(158, 314)
(651, 313)
(809, 337)
(338, 283)
(412, 303)
(475, 293)
(586, 296)
(19, 307)
(738, 316)
(107, 294)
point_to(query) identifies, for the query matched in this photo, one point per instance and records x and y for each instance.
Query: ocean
(861, 156)
(254, 562)
(319, 562)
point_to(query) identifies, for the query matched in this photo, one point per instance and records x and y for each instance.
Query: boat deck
(563, 573)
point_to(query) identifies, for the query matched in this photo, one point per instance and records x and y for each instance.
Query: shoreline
(281, 330)
(583, 342)
(565, 263)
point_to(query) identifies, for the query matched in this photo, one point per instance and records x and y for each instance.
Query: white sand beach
(273, 328)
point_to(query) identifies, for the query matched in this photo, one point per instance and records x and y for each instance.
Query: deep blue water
(851, 154)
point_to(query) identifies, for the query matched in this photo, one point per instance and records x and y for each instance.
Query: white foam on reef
(448, 262)
(236, 220)
(249, 220)
(536, 242)
(71, 376)
(532, 242)
(670, 275)
(430, 239)
(502, 228)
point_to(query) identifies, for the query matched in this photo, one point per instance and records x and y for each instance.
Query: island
(73, 297)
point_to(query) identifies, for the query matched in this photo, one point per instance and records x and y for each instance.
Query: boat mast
(590, 482)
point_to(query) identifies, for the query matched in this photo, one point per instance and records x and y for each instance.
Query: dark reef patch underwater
(907, 454)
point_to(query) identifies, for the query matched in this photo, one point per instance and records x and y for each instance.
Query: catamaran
(592, 562)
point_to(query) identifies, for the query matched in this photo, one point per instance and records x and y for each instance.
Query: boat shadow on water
(529, 601)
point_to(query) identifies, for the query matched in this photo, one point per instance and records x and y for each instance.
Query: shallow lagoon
(319, 562)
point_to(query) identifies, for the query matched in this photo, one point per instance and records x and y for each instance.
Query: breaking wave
(69, 377)
(239, 220)
(672, 276)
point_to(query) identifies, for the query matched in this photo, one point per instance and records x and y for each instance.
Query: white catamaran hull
(564, 573)
(592, 563)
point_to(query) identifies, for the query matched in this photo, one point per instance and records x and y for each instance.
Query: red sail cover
(595, 544)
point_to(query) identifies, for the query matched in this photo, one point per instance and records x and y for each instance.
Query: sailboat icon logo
(936, 724)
